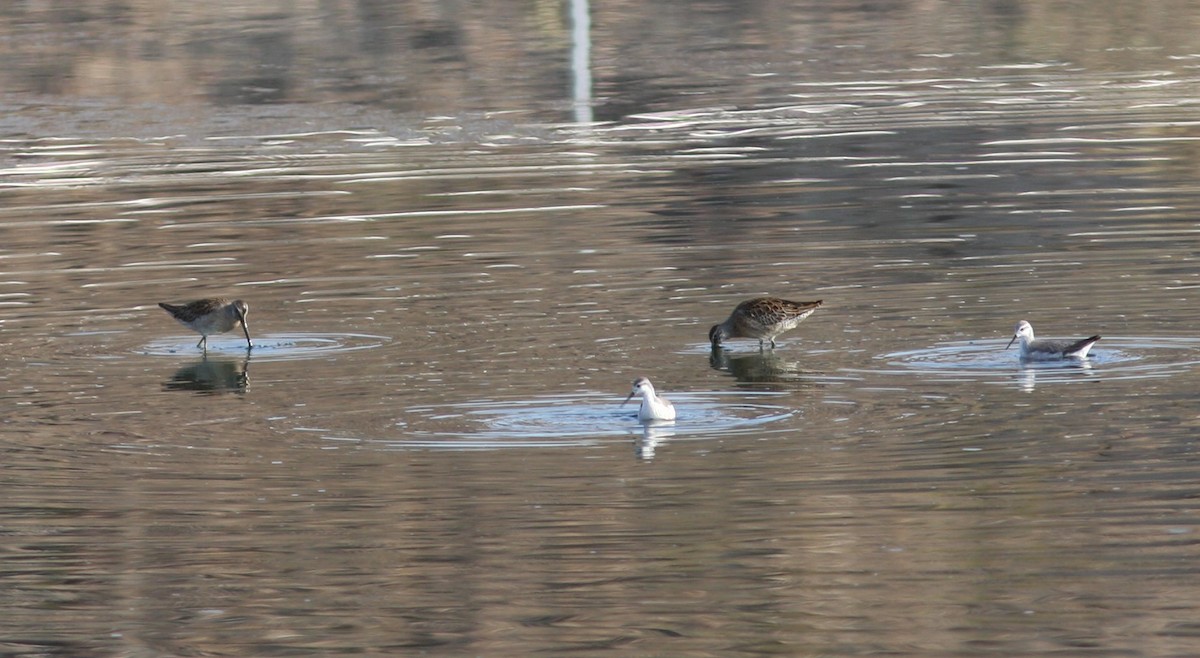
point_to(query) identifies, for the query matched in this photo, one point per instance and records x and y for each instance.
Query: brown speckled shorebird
(763, 318)
(211, 316)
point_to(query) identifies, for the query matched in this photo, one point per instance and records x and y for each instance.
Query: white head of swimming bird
(653, 407)
(1046, 349)
(215, 315)
(763, 318)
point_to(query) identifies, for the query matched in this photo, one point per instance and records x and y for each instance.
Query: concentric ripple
(268, 347)
(1133, 357)
(583, 419)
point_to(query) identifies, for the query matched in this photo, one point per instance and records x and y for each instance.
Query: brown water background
(464, 228)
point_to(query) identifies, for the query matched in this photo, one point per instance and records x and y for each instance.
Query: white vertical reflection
(581, 73)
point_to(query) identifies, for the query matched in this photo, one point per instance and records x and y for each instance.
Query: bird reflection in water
(654, 434)
(1027, 376)
(758, 367)
(212, 376)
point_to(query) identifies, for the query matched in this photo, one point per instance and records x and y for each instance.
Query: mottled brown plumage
(211, 316)
(763, 318)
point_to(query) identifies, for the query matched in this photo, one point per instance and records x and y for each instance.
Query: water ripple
(1131, 357)
(571, 420)
(268, 347)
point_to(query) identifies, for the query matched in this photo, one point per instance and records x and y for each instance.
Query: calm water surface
(462, 234)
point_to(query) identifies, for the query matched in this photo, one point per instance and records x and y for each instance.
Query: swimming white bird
(653, 407)
(1045, 349)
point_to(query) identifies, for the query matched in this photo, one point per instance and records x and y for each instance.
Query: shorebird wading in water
(763, 318)
(1046, 349)
(653, 407)
(211, 316)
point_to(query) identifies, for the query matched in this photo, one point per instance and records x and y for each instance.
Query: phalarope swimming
(1045, 349)
(653, 407)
